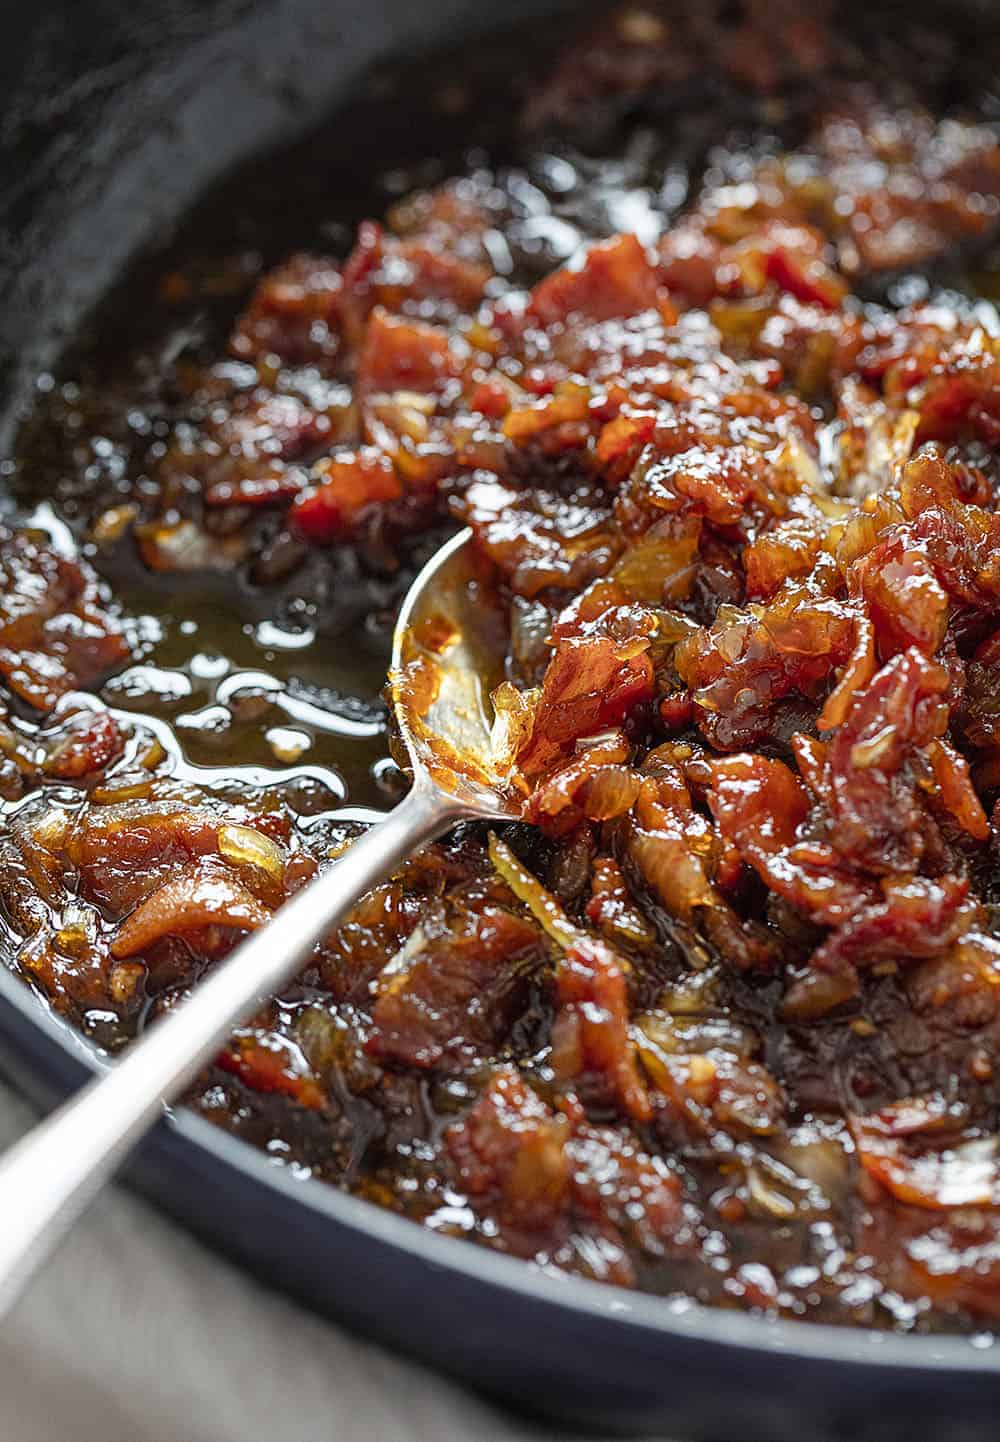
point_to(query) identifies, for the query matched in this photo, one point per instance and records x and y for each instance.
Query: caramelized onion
(243, 846)
(965, 1174)
(203, 895)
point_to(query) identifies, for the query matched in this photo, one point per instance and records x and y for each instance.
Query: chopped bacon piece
(510, 1154)
(591, 684)
(791, 266)
(345, 484)
(760, 805)
(294, 314)
(616, 278)
(84, 745)
(743, 667)
(123, 852)
(402, 354)
(953, 1262)
(524, 533)
(590, 1033)
(547, 1181)
(595, 785)
(454, 987)
(875, 805)
(932, 1220)
(271, 1065)
(56, 634)
(912, 919)
(399, 275)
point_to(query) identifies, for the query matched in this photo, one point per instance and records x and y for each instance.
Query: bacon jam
(710, 383)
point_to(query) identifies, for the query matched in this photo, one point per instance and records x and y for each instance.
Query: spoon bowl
(447, 658)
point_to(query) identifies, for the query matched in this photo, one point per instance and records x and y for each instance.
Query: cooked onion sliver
(541, 903)
(200, 896)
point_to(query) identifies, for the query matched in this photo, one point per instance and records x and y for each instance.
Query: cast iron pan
(115, 115)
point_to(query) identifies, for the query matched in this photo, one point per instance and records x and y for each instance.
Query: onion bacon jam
(723, 1020)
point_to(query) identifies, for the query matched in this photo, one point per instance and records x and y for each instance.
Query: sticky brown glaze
(723, 1019)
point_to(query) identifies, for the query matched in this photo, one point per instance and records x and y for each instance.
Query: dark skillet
(116, 116)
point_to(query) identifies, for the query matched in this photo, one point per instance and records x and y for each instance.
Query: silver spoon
(447, 650)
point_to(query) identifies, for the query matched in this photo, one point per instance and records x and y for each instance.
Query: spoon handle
(49, 1176)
